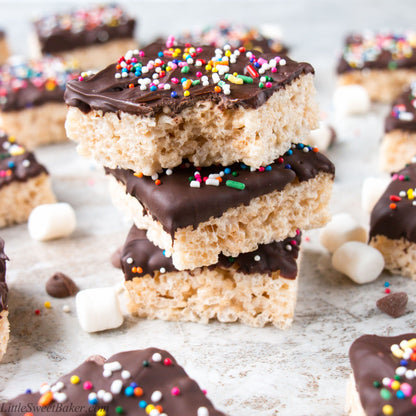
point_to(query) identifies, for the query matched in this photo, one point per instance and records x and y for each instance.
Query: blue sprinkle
(129, 391)
(268, 168)
(301, 145)
(160, 54)
(243, 166)
(28, 391)
(251, 59)
(175, 61)
(386, 284)
(124, 70)
(137, 73)
(142, 404)
(10, 164)
(288, 167)
(289, 152)
(133, 384)
(153, 88)
(93, 401)
(173, 94)
(183, 80)
(256, 64)
(400, 395)
(164, 253)
(403, 363)
(227, 171)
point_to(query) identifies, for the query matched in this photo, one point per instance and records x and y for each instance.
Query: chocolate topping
(378, 51)
(115, 258)
(394, 215)
(60, 286)
(403, 113)
(83, 27)
(140, 253)
(372, 360)
(155, 371)
(393, 304)
(4, 291)
(176, 205)
(16, 163)
(138, 92)
(29, 83)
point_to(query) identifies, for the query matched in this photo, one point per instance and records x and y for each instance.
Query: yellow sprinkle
(235, 80)
(12, 139)
(149, 408)
(101, 412)
(168, 68)
(395, 385)
(410, 193)
(398, 353)
(235, 73)
(184, 56)
(47, 304)
(228, 53)
(388, 410)
(50, 85)
(208, 67)
(18, 151)
(214, 70)
(174, 55)
(177, 50)
(411, 343)
(186, 93)
(74, 379)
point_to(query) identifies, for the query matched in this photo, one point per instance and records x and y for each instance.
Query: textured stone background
(247, 372)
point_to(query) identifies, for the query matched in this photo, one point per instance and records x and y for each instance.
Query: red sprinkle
(395, 198)
(392, 206)
(387, 290)
(167, 361)
(37, 312)
(252, 72)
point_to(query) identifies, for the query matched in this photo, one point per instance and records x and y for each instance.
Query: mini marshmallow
(351, 99)
(371, 192)
(322, 137)
(360, 262)
(50, 221)
(98, 309)
(339, 230)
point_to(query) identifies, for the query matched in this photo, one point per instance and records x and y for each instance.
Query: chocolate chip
(393, 304)
(61, 286)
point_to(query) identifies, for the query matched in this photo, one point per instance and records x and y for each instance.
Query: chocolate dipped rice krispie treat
(24, 182)
(384, 376)
(93, 36)
(383, 63)
(399, 142)
(393, 223)
(165, 103)
(31, 99)
(141, 382)
(4, 292)
(195, 214)
(255, 288)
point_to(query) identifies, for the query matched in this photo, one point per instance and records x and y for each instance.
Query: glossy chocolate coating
(138, 251)
(371, 361)
(16, 163)
(60, 286)
(4, 291)
(399, 222)
(406, 102)
(103, 91)
(176, 205)
(64, 32)
(148, 374)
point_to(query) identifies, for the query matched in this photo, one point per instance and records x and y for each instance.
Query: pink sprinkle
(134, 60)
(205, 178)
(204, 391)
(173, 65)
(307, 239)
(199, 50)
(406, 389)
(80, 79)
(274, 70)
(182, 64)
(175, 80)
(414, 400)
(395, 176)
(161, 86)
(277, 59)
(3, 173)
(401, 177)
(87, 385)
(293, 242)
(175, 391)
(297, 231)
(262, 61)
(268, 84)
(198, 178)
(141, 54)
(261, 168)
(150, 66)
(199, 74)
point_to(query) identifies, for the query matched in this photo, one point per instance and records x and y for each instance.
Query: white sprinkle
(107, 373)
(92, 396)
(306, 149)
(394, 347)
(156, 396)
(66, 309)
(123, 64)
(125, 374)
(414, 203)
(237, 52)
(215, 77)
(107, 397)
(263, 79)
(402, 194)
(261, 71)
(257, 257)
(219, 52)
(401, 370)
(156, 357)
(414, 157)
(154, 412)
(124, 74)
(162, 270)
(266, 67)
(129, 54)
(129, 260)
(44, 388)
(252, 169)
(214, 182)
(222, 173)
(155, 176)
(169, 172)
(166, 87)
(288, 247)
(195, 184)
(156, 82)
(386, 381)
(100, 394)
(213, 175)
(155, 76)
(406, 116)
(117, 75)
(190, 61)
(233, 59)
(145, 70)
(202, 411)
(198, 63)
(6, 145)
(113, 366)
(26, 163)
(60, 397)
(205, 83)
(143, 87)
(58, 386)
(249, 54)
(116, 386)
(204, 78)
(227, 47)
(272, 63)
(409, 374)
(282, 62)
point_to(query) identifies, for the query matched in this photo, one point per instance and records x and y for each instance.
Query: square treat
(163, 104)
(31, 99)
(399, 142)
(197, 214)
(255, 288)
(384, 64)
(393, 223)
(4, 292)
(94, 36)
(383, 379)
(4, 49)
(24, 183)
(140, 382)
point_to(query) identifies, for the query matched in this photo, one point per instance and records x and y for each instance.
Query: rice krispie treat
(4, 292)
(157, 106)
(31, 99)
(393, 223)
(383, 379)
(4, 48)
(24, 182)
(140, 382)
(399, 142)
(197, 214)
(93, 36)
(383, 63)
(255, 288)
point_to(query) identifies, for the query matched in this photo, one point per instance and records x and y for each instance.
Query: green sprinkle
(397, 377)
(377, 384)
(119, 410)
(261, 85)
(385, 394)
(247, 80)
(392, 65)
(145, 363)
(231, 259)
(191, 178)
(407, 178)
(221, 83)
(235, 174)
(226, 76)
(185, 69)
(195, 82)
(235, 184)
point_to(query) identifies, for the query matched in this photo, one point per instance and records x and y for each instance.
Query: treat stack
(203, 147)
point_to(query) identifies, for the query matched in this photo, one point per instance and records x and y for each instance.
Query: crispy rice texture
(4, 332)
(353, 405)
(398, 147)
(19, 198)
(399, 255)
(205, 134)
(268, 218)
(382, 85)
(202, 294)
(94, 57)
(36, 126)
(4, 51)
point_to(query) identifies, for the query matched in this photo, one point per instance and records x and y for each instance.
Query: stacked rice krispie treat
(204, 149)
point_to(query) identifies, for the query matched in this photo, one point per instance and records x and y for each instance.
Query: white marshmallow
(351, 99)
(339, 230)
(371, 192)
(320, 137)
(360, 262)
(98, 309)
(50, 221)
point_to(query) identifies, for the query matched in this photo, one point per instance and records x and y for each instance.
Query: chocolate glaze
(60, 286)
(4, 291)
(404, 103)
(155, 376)
(382, 56)
(64, 32)
(138, 251)
(176, 205)
(399, 222)
(103, 91)
(16, 163)
(372, 360)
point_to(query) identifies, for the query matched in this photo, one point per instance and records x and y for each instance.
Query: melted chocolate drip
(148, 374)
(4, 291)
(392, 123)
(177, 205)
(103, 91)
